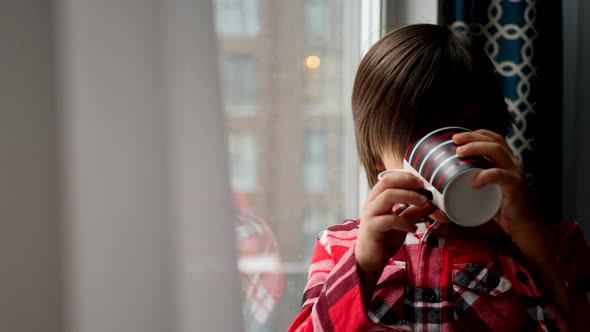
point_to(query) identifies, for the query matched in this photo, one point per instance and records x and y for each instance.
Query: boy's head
(416, 79)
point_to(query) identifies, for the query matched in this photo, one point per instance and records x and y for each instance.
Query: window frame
(372, 14)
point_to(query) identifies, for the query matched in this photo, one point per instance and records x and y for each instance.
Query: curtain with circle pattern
(507, 31)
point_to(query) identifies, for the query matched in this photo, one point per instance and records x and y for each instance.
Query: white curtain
(115, 197)
(150, 242)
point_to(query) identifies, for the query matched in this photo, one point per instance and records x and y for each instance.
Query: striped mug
(433, 159)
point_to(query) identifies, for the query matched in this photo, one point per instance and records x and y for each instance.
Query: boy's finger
(391, 222)
(495, 136)
(496, 152)
(480, 135)
(400, 180)
(471, 136)
(498, 176)
(385, 201)
(416, 213)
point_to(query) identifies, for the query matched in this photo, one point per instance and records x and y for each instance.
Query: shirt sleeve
(574, 262)
(332, 298)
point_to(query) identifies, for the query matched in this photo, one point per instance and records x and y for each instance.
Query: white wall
(30, 262)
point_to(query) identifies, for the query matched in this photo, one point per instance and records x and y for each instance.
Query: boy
(415, 270)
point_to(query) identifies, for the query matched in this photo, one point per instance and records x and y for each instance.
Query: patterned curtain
(508, 33)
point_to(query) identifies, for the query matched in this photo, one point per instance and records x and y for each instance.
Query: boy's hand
(517, 214)
(381, 233)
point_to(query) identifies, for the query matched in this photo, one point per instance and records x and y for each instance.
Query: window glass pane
(313, 79)
(313, 15)
(240, 81)
(323, 82)
(243, 154)
(286, 89)
(314, 162)
(236, 17)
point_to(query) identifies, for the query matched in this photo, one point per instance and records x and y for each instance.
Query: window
(323, 80)
(240, 81)
(243, 154)
(314, 17)
(314, 162)
(288, 70)
(235, 18)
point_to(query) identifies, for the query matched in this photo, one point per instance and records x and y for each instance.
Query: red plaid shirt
(444, 278)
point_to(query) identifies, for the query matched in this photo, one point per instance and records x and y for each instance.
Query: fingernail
(426, 194)
(401, 208)
(460, 151)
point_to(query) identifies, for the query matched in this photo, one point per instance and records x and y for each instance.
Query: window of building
(237, 18)
(243, 159)
(314, 161)
(240, 81)
(313, 14)
(323, 83)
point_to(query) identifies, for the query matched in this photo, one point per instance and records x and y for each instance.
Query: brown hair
(415, 79)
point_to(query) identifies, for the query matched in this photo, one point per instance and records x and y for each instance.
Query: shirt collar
(467, 239)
